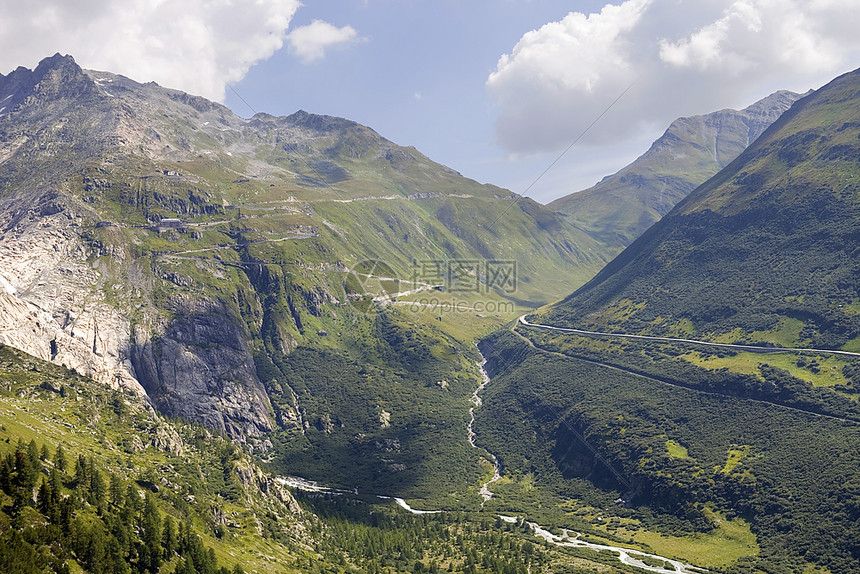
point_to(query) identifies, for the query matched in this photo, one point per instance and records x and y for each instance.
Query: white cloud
(757, 35)
(310, 42)
(685, 57)
(196, 45)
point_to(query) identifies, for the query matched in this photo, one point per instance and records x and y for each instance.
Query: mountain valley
(212, 310)
(763, 255)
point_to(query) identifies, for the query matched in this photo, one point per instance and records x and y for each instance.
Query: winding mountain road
(752, 348)
(647, 377)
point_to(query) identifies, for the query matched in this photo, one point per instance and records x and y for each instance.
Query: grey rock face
(48, 305)
(201, 369)
(57, 301)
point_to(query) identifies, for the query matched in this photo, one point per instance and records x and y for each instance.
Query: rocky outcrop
(50, 306)
(254, 480)
(201, 369)
(66, 297)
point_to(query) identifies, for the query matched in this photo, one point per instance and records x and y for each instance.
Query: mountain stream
(568, 538)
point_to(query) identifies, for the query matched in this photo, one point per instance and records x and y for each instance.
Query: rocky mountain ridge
(622, 206)
(767, 246)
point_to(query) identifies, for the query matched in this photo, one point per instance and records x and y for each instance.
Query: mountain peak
(54, 77)
(56, 61)
(319, 122)
(692, 149)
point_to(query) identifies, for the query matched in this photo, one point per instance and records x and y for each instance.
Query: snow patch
(8, 287)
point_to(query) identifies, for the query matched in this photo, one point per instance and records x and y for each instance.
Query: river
(568, 538)
(486, 493)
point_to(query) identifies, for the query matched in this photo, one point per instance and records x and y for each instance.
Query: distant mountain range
(623, 205)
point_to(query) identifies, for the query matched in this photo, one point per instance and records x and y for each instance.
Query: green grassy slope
(596, 433)
(769, 242)
(201, 481)
(765, 253)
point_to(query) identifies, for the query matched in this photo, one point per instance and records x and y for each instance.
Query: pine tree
(186, 538)
(81, 472)
(60, 459)
(7, 469)
(115, 557)
(24, 480)
(116, 491)
(55, 481)
(33, 455)
(185, 566)
(125, 522)
(169, 541)
(132, 499)
(151, 535)
(43, 498)
(98, 490)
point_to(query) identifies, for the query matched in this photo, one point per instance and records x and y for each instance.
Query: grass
(734, 458)
(853, 345)
(829, 366)
(852, 308)
(464, 316)
(729, 541)
(786, 334)
(676, 450)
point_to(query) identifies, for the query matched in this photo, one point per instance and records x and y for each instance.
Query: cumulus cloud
(756, 35)
(680, 57)
(310, 42)
(196, 45)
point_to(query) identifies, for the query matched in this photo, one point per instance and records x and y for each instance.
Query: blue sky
(415, 73)
(496, 90)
